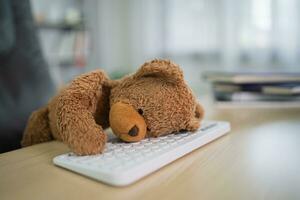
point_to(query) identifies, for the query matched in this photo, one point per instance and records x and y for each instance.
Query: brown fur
(79, 113)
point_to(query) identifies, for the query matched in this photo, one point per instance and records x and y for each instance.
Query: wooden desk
(259, 159)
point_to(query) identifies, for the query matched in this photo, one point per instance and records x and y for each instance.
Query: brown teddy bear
(152, 102)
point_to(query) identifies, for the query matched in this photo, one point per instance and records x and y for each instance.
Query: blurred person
(25, 82)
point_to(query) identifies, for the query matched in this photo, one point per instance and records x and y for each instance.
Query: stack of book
(255, 89)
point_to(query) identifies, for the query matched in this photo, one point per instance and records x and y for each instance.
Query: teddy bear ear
(196, 119)
(161, 68)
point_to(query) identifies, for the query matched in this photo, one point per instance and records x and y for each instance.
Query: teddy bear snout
(127, 123)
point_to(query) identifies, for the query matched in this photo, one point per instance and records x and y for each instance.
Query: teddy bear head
(152, 102)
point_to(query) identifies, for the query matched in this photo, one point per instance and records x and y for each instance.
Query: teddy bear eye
(140, 111)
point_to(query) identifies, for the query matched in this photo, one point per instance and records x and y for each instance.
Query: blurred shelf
(60, 26)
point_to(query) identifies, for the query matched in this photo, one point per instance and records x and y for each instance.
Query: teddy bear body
(152, 102)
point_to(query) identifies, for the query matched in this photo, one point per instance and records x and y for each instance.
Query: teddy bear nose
(127, 123)
(134, 131)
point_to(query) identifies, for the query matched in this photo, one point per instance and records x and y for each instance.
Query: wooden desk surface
(259, 159)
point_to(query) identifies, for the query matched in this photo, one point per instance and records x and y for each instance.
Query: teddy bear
(152, 102)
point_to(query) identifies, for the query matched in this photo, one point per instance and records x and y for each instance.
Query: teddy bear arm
(89, 84)
(80, 132)
(75, 113)
(37, 129)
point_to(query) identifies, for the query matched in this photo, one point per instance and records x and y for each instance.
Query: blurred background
(119, 35)
(62, 39)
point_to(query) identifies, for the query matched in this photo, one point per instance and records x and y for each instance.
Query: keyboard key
(139, 147)
(127, 146)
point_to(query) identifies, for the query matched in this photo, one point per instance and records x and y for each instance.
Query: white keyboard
(124, 163)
